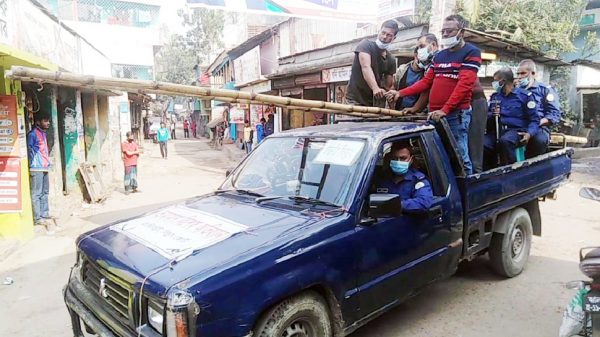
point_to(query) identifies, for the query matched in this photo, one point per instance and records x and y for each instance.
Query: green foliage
(181, 53)
(591, 46)
(205, 31)
(560, 78)
(175, 61)
(422, 11)
(546, 25)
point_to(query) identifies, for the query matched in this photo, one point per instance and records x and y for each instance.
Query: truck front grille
(109, 288)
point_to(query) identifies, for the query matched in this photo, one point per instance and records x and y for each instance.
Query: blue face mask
(497, 86)
(399, 167)
(524, 82)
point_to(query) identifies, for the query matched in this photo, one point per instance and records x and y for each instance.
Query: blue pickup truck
(298, 242)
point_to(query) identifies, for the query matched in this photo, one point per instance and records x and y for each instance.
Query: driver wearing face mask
(403, 179)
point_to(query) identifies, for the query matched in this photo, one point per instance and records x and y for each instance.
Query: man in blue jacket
(517, 116)
(39, 165)
(548, 106)
(408, 182)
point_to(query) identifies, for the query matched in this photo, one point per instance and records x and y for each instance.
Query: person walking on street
(260, 130)
(194, 128)
(516, 112)
(373, 69)
(173, 126)
(451, 79)
(548, 107)
(131, 153)
(248, 136)
(39, 165)
(162, 136)
(186, 129)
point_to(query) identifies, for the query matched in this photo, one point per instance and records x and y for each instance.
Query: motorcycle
(582, 316)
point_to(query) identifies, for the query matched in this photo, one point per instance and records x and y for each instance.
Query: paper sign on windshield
(177, 231)
(339, 152)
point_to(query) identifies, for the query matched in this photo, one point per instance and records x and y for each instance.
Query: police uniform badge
(550, 98)
(419, 185)
(531, 104)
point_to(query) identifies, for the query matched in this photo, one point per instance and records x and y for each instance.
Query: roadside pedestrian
(270, 125)
(548, 107)
(248, 136)
(451, 79)
(373, 68)
(131, 153)
(39, 165)
(194, 128)
(260, 130)
(173, 126)
(186, 128)
(162, 136)
(516, 112)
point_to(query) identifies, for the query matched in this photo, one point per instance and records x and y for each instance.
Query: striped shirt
(451, 79)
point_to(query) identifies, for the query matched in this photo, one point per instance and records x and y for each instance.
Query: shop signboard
(341, 74)
(352, 10)
(10, 185)
(9, 126)
(237, 115)
(247, 67)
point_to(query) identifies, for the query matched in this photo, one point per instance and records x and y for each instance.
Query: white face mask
(450, 42)
(381, 45)
(423, 54)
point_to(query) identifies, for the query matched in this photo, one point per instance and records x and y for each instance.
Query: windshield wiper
(313, 201)
(240, 191)
(297, 199)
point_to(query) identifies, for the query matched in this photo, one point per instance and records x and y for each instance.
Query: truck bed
(495, 191)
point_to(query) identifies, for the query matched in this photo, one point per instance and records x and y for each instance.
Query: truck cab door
(401, 253)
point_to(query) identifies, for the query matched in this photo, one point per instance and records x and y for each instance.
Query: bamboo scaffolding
(164, 88)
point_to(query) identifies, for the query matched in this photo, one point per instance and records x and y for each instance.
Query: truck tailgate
(505, 187)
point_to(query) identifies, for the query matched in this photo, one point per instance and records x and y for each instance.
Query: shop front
(307, 86)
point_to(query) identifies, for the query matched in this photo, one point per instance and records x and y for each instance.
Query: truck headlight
(181, 314)
(155, 316)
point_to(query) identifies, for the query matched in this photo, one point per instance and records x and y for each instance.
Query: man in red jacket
(450, 80)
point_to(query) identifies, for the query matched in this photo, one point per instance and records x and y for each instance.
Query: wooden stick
(125, 84)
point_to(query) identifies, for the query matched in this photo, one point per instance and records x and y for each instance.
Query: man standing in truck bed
(451, 78)
(373, 69)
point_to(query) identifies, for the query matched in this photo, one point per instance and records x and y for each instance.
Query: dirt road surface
(473, 303)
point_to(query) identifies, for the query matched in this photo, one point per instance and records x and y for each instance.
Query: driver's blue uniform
(414, 190)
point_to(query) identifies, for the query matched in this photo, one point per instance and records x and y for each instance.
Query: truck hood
(203, 235)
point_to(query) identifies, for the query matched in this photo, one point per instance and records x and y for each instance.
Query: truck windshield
(315, 168)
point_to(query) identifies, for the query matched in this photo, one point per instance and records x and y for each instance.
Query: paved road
(473, 303)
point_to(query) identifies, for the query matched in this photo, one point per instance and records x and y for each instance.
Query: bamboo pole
(145, 86)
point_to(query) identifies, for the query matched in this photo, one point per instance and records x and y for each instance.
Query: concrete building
(125, 31)
(85, 124)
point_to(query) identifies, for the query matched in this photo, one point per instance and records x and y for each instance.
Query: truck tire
(509, 251)
(305, 315)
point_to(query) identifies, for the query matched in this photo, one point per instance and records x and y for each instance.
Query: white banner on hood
(177, 231)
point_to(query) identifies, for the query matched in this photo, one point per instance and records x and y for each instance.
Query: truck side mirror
(384, 205)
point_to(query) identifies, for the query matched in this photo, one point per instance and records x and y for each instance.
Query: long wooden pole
(145, 86)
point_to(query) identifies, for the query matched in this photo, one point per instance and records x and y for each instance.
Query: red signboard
(10, 185)
(8, 126)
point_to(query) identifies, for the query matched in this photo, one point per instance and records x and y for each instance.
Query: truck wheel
(509, 251)
(305, 315)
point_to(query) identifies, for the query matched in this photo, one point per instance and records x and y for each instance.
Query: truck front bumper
(78, 300)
